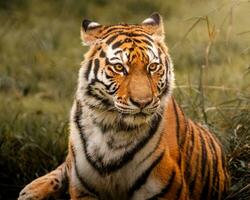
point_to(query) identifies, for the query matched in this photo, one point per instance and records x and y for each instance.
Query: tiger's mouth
(135, 111)
(138, 116)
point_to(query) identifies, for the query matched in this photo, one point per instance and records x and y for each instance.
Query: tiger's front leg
(80, 196)
(48, 185)
(77, 194)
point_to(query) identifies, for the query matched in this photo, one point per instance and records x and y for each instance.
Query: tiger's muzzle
(132, 107)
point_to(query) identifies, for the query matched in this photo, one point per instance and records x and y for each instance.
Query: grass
(40, 55)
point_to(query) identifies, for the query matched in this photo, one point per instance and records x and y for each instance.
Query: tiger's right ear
(90, 32)
(154, 24)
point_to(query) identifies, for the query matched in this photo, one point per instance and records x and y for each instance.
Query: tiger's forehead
(131, 54)
(130, 29)
(130, 44)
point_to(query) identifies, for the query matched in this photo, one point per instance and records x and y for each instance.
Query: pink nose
(141, 103)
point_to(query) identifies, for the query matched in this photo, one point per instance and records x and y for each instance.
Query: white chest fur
(102, 164)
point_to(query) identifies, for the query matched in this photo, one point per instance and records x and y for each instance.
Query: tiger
(129, 139)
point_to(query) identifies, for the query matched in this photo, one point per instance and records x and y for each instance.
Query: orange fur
(189, 162)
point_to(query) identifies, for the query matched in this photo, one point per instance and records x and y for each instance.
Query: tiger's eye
(119, 67)
(152, 67)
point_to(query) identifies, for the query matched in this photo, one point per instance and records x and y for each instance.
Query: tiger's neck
(109, 141)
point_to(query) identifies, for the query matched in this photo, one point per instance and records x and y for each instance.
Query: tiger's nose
(141, 102)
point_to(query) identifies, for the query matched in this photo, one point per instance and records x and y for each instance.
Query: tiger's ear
(90, 32)
(155, 26)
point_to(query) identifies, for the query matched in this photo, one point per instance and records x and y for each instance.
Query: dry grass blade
(198, 19)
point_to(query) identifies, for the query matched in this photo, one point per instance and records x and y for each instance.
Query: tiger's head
(127, 68)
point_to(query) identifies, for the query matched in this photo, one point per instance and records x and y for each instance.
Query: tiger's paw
(39, 189)
(31, 194)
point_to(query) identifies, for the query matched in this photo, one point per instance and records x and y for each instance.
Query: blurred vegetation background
(40, 54)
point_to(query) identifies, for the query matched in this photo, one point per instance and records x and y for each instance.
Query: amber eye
(119, 68)
(152, 67)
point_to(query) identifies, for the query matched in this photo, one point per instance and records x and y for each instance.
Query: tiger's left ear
(154, 25)
(90, 32)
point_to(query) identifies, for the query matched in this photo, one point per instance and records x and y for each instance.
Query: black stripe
(114, 146)
(206, 187)
(179, 191)
(128, 34)
(167, 62)
(161, 62)
(166, 89)
(120, 126)
(99, 106)
(120, 29)
(149, 49)
(144, 176)
(177, 130)
(143, 48)
(151, 152)
(102, 54)
(93, 83)
(216, 193)
(147, 42)
(131, 58)
(216, 177)
(137, 40)
(111, 39)
(166, 187)
(204, 155)
(117, 52)
(96, 67)
(118, 44)
(179, 161)
(112, 87)
(190, 149)
(114, 165)
(133, 35)
(114, 29)
(184, 134)
(88, 69)
(159, 51)
(216, 187)
(212, 136)
(193, 182)
(141, 35)
(114, 58)
(89, 92)
(85, 185)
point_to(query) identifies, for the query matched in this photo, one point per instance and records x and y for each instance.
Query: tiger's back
(128, 137)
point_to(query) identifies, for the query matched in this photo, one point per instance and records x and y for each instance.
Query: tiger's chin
(137, 116)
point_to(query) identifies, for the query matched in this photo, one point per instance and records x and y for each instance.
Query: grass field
(40, 54)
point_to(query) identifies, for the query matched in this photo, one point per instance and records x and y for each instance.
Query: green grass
(40, 54)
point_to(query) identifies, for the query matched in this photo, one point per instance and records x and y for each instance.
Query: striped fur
(129, 139)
